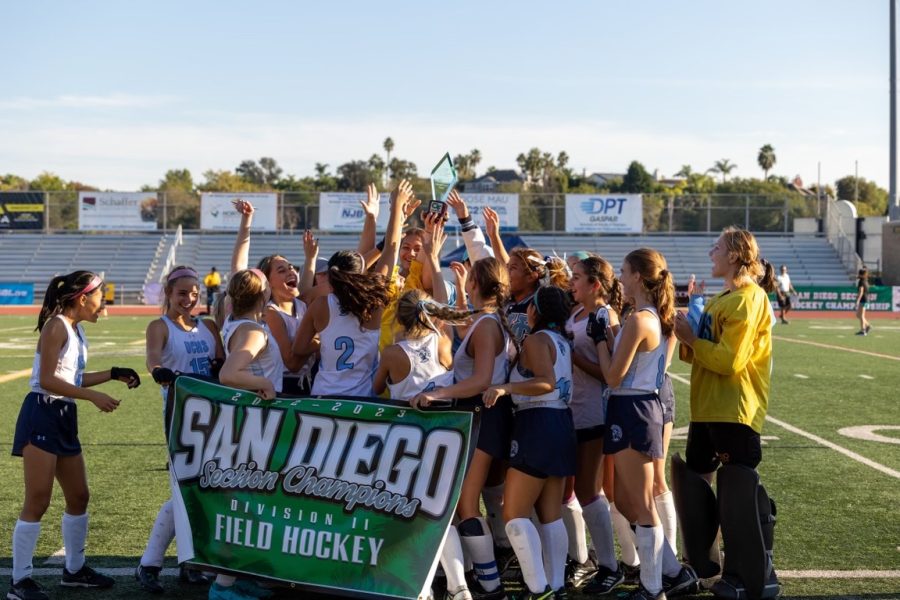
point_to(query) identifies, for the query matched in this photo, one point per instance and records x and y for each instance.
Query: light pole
(893, 206)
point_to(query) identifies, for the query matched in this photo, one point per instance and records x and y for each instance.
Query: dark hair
(265, 263)
(657, 281)
(552, 305)
(767, 280)
(864, 272)
(415, 307)
(551, 270)
(358, 292)
(170, 282)
(598, 269)
(61, 294)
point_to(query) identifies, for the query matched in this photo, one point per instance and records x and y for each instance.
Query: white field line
(819, 440)
(57, 558)
(830, 347)
(866, 376)
(801, 376)
(15, 375)
(794, 574)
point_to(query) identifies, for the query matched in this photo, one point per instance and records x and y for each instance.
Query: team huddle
(567, 360)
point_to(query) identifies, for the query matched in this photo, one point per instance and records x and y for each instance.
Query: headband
(179, 273)
(92, 285)
(260, 274)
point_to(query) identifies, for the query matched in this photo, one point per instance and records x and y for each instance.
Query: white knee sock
(553, 548)
(625, 535)
(452, 561)
(597, 517)
(526, 542)
(25, 537)
(74, 533)
(665, 508)
(650, 541)
(160, 537)
(476, 539)
(225, 580)
(572, 517)
(493, 503)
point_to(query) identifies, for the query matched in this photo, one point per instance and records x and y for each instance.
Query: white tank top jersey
(647, 369)
(267, 363)
(561, 394)
(291, 325)
(464, 365)
(587, 391)
(70, 365)
(188, 351)
(425, 370)
(348, 355)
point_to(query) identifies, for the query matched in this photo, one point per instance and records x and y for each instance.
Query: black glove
(596, 328)
(127, 375)
(163, 376)
(215, 365)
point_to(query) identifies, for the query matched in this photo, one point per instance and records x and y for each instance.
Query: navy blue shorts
(589, 434)
(496, 427)
(634, 422)
(48, 424)
(667, 397)
(543, 442)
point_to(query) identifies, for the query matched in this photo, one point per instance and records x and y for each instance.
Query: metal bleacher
(129, 261)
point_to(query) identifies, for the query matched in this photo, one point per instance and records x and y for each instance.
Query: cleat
(604, 581)
(192, 576)
(561, 594)
(685, 582)
(577, 574)
(511, 571)
(861, 332)
(461, 593)
(868, 329)
(632, 573)
(26, 589)
(86, 577)
(148, 579)
(479, 593)
(547, 594)
(642, 594)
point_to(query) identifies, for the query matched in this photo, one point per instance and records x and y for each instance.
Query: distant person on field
(862, 295)
(212, 281)
(783, 291)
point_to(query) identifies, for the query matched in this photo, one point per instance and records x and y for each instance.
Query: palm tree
(724, 167)
(686, 172)
(388, 147)
(474, 159)
(766, 159)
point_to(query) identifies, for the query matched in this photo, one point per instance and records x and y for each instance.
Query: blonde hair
(550, 271)
(657, 283)
(491, 279)
(743, 250)
(246, 289)
(415, 309)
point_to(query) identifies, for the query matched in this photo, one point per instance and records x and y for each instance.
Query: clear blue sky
(116, 93)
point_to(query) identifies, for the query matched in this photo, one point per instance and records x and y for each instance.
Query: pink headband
(94, 283)
(182, 273)
(260, 274)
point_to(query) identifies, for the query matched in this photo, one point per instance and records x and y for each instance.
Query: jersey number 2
(345, 345)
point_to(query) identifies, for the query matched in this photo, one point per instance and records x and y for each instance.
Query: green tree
(226, 181)
(182, 204)
(686, 171)
(388, 146)
(271, 171)
(13, 183)
(251, 172)
(355, 175)
(402, 169)
(637, 180)
(63, 203)
(873, 200)
(723, 167)
(766, 159)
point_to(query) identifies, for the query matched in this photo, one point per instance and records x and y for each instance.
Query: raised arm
(310, 254)
(400, 198)
(370, 208)
(241, 255)
(492, 224)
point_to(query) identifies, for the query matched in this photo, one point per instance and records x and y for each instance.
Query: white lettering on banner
(592, 213)
(331, 545)
(391, 468)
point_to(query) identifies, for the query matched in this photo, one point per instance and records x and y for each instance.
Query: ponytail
(62, 292)
(599, 269)
(358, 293)
(767, 281)
(552, 305)
(657, 282)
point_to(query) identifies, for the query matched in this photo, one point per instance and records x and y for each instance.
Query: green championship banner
(345, 496)
(839, 298)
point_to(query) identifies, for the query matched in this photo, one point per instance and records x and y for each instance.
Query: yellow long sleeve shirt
(732, 359)
(389, 326)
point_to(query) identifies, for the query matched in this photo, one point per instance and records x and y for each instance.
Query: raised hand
(435, 237)
(461, 273)
(455, 201)
(371, 205)
(310, 245)
(491, 221)
(243, 206)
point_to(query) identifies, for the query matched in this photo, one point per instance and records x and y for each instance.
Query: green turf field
(837, 504)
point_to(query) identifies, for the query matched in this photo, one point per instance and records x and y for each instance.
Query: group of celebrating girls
(567, 359)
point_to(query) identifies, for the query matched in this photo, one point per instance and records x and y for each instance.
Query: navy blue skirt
(49, 424)
(634, 422)
(543, 442)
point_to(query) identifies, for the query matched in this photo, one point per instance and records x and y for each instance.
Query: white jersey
(464, 365)
(561, 394)
(188, 351)
(425, 370)
(267, 363)
(784, 282)
(348, 355)
(647, 369)
(291, 325)
(70, 364)
(587, 391)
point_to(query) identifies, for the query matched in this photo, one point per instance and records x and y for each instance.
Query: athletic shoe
(561, 594)
(253, 588)
(632, 573)
(479, 593)
(461, 593)
(510, 569)
(642, 594)
(192, 576)
(26, 589)
(148, 579)
(685, 582)
(784, 321)
(578, 573)
(604, 580)
(220, 592)
(868, 328)
(861, 332)
(547, 594)
(86, 577)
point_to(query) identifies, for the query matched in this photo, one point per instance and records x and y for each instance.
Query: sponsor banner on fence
(21, 210)
(348, 496)
(117, 211)
(880, 298)
(616, 213)
(895, 302)
(340, 211)
(217, 211)
(16, 293)
(506, 205)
